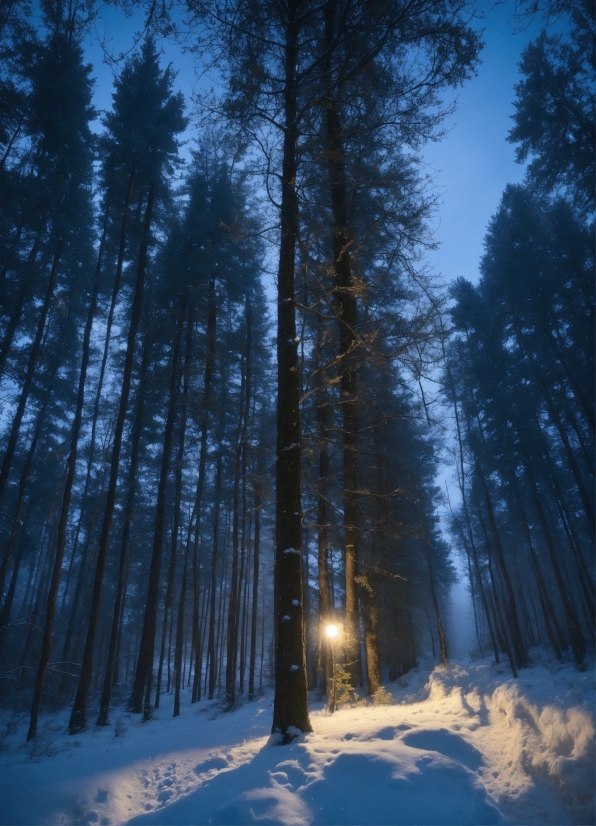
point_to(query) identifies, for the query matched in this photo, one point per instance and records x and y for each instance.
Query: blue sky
(475, 161)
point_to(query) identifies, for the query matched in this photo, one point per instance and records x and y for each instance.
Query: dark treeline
(520, 371)
(189, 496)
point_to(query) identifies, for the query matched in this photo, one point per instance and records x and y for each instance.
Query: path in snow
(466, 745)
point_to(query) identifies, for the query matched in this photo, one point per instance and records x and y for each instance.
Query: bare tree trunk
(106, 695)
(433, 593)
(502, 635)
(71, 626)
(179, 638)
(209, 362)
(21, 497)
(462, 486)
(211, 645)
(324, 664)
(371, 634)
(144, 670)
(17, 311)
(236, 580)
(78, 715)
(255, 592)
(517, 639)
(102, 370)
(66, 496)
(553, 629)
(232, 636)
(31, 365)
(177, 500)
(576, 637)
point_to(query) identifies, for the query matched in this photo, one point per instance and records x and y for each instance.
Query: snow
(464, 744)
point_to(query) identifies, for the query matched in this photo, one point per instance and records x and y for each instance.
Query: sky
(475, 162)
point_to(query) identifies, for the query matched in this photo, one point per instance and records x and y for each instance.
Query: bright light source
(332, 631)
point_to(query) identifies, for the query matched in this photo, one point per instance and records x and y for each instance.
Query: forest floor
(464, 744)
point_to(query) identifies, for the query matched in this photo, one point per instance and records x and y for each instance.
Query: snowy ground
(462, 745)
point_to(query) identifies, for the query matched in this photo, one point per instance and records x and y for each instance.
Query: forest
(229, 377)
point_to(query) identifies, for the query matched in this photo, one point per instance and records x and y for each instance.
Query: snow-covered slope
(463, 745)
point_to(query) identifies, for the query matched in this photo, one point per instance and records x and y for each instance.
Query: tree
(148, 151)
(554, 107)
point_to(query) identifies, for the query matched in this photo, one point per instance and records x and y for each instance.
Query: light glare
(332, 631)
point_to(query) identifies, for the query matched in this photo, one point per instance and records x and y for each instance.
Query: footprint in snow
(447, 743)
(386, 733)
(289, 772)
(216, 763)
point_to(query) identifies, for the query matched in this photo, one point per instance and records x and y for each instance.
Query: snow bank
(556, 744)
(543, 723)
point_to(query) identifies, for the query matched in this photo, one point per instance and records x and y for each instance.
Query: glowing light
(332, 631)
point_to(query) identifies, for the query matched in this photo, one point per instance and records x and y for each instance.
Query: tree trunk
(290, 705)
(324, 665)
(502, 635)
(179, 638)
(106, 695)
(517, 639)
(177, 500)
(78, 715)
(31, 365)
(209, 362)
(551, 622)
(21, 497)
(255, 593)
(576, 637)
(370, 612)
(236, 580)
(66, 496)
(433, 593)
(211, 645)
(462, 486)
(144, 670)
(343, 244)
(102, 369)
(17, 311)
